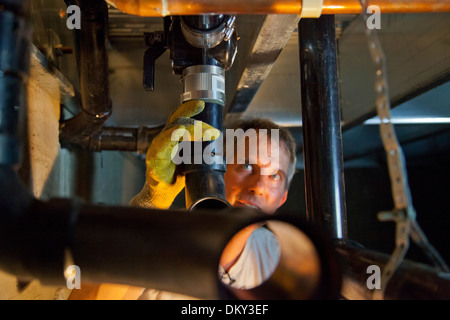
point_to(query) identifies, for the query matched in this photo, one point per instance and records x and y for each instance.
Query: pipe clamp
(204, 82)
(311, 8)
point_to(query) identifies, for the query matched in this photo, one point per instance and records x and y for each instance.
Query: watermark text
(73, 277)
(374, 20)
(242, 147)
(374, 280)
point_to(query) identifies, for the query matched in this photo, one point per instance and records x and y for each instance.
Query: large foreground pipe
(322, 135)
(166, 250)
(158, 8)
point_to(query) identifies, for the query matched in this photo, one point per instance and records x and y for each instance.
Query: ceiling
(264, 79)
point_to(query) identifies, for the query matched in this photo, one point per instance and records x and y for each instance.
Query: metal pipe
(92, 56)
(137, 247)
(205, 184)
(14, 64)
(207, 31)
(157, 8)
(411, 281)
(202, 48)
(322, 136)
(122, 139)
(204, 22)
(110, 138)
(134, 246)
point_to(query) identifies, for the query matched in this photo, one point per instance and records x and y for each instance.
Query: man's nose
(257, 185)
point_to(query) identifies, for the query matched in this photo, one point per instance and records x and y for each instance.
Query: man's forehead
(263, 149)
(257, 136)
(259, 140)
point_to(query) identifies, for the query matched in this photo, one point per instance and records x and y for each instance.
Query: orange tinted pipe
(156, 8)
(386, 6)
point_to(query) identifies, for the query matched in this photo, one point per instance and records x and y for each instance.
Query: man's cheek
(229, 193)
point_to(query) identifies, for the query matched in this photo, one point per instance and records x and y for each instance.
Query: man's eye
(276, 177)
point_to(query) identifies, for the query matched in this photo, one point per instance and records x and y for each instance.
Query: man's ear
(283, 200)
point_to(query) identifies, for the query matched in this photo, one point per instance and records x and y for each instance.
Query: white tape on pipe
(311, 8)
(164, 11)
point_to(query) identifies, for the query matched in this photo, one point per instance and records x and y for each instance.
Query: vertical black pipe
(204, 22)
(92, 60)
(93, 57)
(15, 37)
(322, 134)
(205, 184)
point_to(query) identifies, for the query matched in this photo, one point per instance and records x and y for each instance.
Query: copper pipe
(156, 8)
(386, 6)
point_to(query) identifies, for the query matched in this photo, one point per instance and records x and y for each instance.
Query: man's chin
(238, 204)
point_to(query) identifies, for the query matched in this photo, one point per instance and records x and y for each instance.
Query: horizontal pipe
(109, 138)
(411, 281)
(135, 246)
(121, 139)
(386, 6)
(138, 247)
(158, 8)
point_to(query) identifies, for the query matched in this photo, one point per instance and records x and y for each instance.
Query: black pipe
(204, 22)
(14, 64)
(92, 60)
(110, 138)
(122, 139)
(135, 246)
(322, 136)
(411, 281)
(138, 247)
(205, 184)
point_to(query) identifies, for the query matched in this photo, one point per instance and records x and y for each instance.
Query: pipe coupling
(207, 39)
(204, 82)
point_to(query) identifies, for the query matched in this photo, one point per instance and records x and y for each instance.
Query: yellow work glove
(163, 183)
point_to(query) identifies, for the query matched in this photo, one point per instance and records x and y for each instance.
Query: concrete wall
(44, 169)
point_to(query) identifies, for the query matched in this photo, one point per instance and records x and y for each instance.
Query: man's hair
(285, 136)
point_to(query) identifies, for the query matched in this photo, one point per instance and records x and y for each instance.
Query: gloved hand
(163, 183)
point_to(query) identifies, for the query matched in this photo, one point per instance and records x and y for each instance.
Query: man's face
(246, 185)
